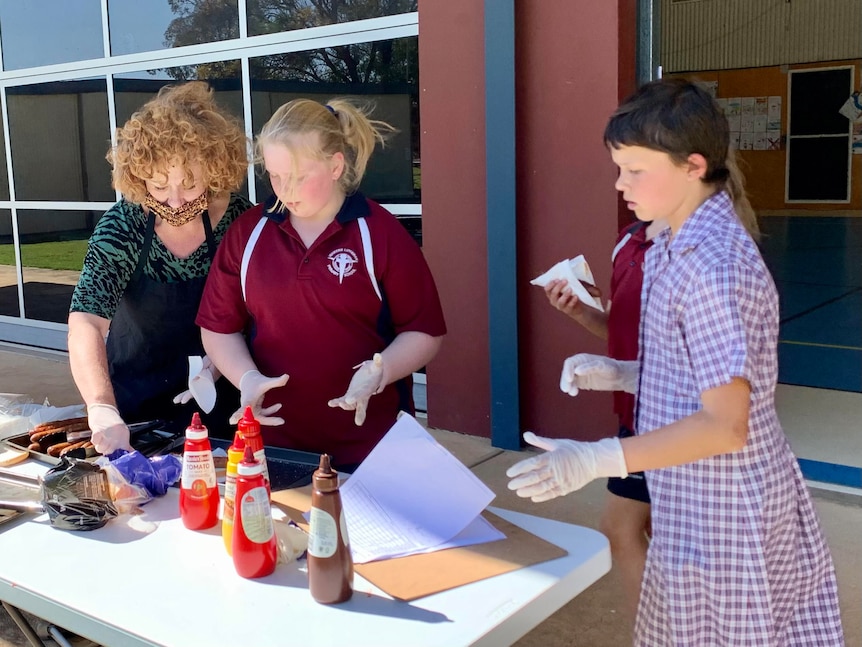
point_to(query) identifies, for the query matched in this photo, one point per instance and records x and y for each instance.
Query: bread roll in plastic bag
(75, 495)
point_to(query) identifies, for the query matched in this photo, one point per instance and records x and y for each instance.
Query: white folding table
(152, 582)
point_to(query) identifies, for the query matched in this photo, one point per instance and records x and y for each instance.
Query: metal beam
(500, 213)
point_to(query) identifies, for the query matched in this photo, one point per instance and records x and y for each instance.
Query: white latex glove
(110, 433)
(566, 466)
(367, 381)
(252, 387)
(598, 373)
(206, 374)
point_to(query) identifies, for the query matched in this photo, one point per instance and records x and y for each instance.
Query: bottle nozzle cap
(325, 478)
(248, 455)
(196, 429)
(249, 465)
(248, 424)
(238, 444)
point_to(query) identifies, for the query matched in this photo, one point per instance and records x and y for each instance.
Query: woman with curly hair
(178, 162)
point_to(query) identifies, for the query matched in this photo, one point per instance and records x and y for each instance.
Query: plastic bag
(135, 480)
(19, 413)
(76, 496)
(291, 540)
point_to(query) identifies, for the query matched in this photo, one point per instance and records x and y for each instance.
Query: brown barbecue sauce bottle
(330, 566)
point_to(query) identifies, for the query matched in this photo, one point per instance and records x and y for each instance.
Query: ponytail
(342, 127)
(361, 134)
(735, 186)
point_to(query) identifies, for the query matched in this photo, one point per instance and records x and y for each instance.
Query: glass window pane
(4, 175)
(272, 16)
(134, 89)
(45, 32)
(59, 134)
(382, 73)
(8, 275)
(137, 26)
(53, 244)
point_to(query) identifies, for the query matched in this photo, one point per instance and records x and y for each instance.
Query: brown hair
(182, 124)
(677, 117)
(342, 127)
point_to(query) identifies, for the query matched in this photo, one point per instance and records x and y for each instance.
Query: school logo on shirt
(342, 262)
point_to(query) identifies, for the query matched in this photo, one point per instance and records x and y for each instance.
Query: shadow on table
(377, 605)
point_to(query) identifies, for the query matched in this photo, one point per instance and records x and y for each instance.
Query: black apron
(150, 338)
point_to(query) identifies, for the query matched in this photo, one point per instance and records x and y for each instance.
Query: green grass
(60, 255)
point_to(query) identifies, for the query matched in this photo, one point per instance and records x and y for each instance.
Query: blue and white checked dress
(737, 556)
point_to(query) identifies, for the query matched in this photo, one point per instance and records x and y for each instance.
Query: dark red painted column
(452, 96)
(568, 63)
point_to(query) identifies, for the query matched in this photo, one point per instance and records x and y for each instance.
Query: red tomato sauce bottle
(199, 498)
(249, 428)
(254, 548)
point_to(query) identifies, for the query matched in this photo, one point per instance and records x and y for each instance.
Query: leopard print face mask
(182, 214)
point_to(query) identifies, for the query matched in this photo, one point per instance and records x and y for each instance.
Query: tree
(201, 21)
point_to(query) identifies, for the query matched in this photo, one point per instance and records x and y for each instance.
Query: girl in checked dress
(737, 556)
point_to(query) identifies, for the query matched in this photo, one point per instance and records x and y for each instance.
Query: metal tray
(17, 489)
(147, 437)
(9, 515)
(288, 468)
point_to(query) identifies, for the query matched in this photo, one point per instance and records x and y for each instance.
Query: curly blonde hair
(181, 125)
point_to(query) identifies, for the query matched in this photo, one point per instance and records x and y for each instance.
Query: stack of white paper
(412, 496)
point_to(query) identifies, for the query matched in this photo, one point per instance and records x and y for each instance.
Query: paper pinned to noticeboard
(415, 576)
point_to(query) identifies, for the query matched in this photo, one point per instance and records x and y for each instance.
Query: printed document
(412, 496)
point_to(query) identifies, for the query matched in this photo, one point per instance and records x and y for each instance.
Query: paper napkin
(573, 270)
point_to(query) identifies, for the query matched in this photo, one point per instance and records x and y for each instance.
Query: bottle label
(229, 499)
(256, 515)
(343, 524)
(323, 534)
(198, 471)
(260, 457)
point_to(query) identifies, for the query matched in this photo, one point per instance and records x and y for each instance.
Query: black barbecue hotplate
(288, 468)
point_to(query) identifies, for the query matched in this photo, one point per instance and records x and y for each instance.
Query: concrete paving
(594, 618)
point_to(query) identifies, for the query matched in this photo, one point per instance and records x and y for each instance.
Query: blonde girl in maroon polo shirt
(320, 305)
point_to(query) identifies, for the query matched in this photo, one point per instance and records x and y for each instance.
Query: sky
(45, 32)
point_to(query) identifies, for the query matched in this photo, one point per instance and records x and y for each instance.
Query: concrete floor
(594, 618)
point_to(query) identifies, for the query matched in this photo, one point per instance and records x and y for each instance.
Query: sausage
(73, 446)
(39, 435)
(49, 439)
(54, 450)
(60, 425)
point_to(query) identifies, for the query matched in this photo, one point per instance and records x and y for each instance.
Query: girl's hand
(560, 296)
(367, 381)
(565, 466)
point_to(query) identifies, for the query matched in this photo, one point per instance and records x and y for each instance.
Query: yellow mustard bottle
(234, 456)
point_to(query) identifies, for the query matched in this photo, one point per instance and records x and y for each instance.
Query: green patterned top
(114, 249)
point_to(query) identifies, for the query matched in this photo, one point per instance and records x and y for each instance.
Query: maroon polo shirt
(313, 314)
(624, 317)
